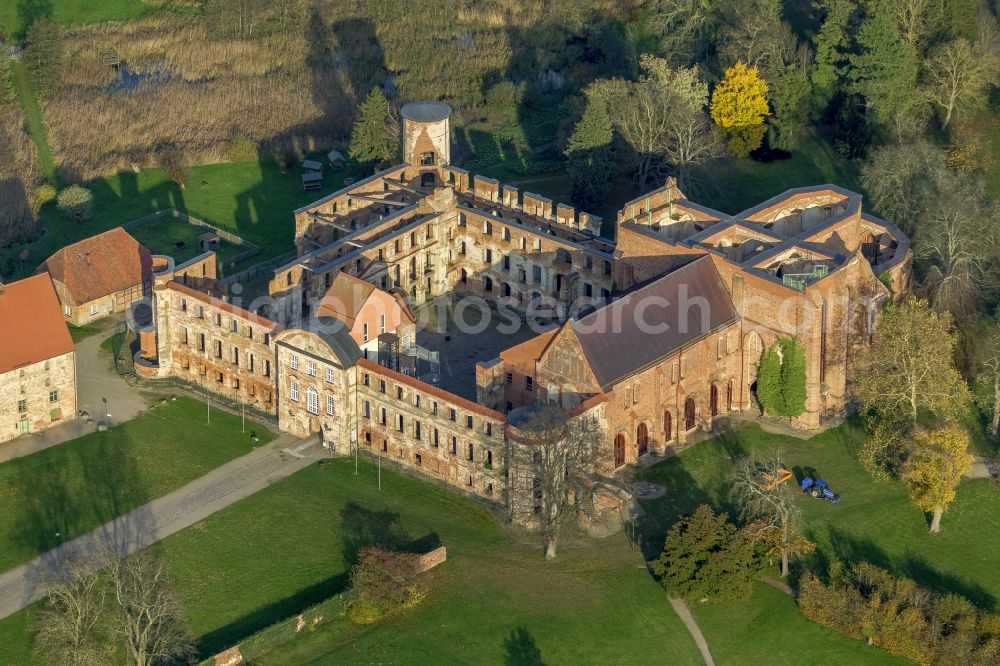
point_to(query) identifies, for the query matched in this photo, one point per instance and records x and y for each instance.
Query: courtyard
(466, 331)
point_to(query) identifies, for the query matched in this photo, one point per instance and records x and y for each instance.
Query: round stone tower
(426, 133)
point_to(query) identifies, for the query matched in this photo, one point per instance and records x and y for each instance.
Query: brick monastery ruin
(655, 334)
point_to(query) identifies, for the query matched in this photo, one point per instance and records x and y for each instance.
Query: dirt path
(685, 615)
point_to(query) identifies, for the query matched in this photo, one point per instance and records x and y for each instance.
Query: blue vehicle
(819, 489)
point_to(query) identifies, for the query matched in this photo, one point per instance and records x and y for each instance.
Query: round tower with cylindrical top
(426, 133)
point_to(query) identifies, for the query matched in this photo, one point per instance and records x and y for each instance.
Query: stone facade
(37, 396)
(808, 264)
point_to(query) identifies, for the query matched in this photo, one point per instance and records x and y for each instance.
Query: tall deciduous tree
(372, 137)
(771, 510)
(559, 460)
(884, 71)
(150, 617)
(909, 368)
(988, 377)
(956, 76)
(71, 624)
(934, 466)
(589, 154)
(662, 120)
(739, 105)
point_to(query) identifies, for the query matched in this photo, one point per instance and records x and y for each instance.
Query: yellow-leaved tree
(935, 464)
(739, 106)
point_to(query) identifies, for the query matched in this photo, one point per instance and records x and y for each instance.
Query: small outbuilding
(312, 180)
(336, 158)
(209, 241)
(312, 165)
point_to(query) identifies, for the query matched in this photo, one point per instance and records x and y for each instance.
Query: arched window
(488, 284)
(642, 438)
(619, 450)
(312, 401)
(668, 427)
(713, 400)
(465, 277)
(506, 289)
(689, 413)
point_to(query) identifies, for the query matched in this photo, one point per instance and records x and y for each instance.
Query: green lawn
(80, 333)
(769, 629)
(253, 200)
(179, 240)
(74, 487)
(290, 545)
(33, 121)
(875, 522)
(16, 17)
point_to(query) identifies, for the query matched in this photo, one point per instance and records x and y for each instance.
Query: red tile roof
(32, 328)
(345, 298)
(100, 265)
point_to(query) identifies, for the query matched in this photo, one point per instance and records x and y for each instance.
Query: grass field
(16, 17)
(875, 522)
(253, 200)
(176, 239)
(79, 333)
(33, 121)
(72, 488)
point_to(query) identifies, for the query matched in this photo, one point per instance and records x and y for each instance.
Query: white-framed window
(294, 362)
(329, 405)
(329, 375)
(381, 323)
(295, 391)
(68, 310)
(364, 331)
(312, 401)
(310, 368)
(93, 309)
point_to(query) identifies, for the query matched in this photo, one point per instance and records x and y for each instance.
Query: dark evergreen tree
(830, 43)
(884, 71)
(590, 156)
(791, 99)
(371, 138)
(45, 55)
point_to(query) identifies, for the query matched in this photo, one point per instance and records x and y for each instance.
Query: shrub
(242, 148)
(76, 202)
(385, 582)
(869, 603)
(172, 161)
(44, 194)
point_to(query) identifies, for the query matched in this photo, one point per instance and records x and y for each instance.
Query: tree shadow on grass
(361, 527)
(520, 649)
(852, 549)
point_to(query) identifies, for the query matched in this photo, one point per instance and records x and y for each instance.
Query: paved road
(96, 381)
(164, 516)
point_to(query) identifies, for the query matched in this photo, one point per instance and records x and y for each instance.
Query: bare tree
(988, 379)
(957, 73)
(662, 119)
(911, 19)
(769, 507)
(150, 620)
(558, 459)
(71, 624)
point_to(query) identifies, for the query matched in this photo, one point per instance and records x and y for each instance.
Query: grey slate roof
(333, 332)
(654, 321)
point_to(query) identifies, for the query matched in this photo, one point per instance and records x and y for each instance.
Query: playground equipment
(819, 489)
(771, 480)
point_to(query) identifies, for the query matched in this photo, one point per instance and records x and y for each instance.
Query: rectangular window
(435, 440)
(251, 364)
(416, 400)
(529, 384)
(468, 421)
(452, 414)
(267, 367)
(399, 393)
(93, 310)
(236, 355)
(312, 401)
(329, 405)
(381, 415)
(366, 380)
(381, 386)
(236, 326)
(329, 376)
(295, 391)
(454, 445)
(364, 331)
(416, 429)
(434, 407)
(510, 378)
(218, 349)
(22, 406)
(310, 368)
(294, 362)
(400, 424)
(472, 452)
(489, 429)
(381, 323)
(218, 319)
(367, 410)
